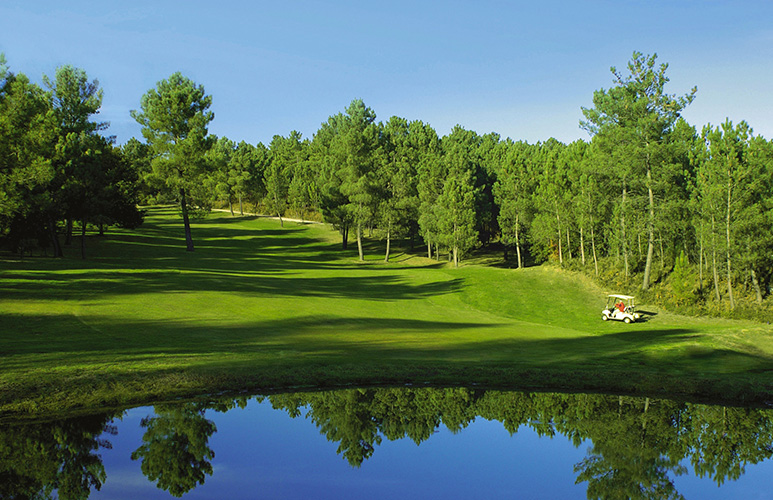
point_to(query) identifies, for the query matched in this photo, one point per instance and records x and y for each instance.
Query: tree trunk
(727, 233)
(593, 247)
(344, 236)
(560, 253)
(68, 233)
(662, 264)
(54, 238)
(231, 205)
(638, 243)
(437, 252)
(518, 243)
(241, 208)
(429, 249)
(456, 256)
(714, 259)
(568, 244)
(622, 226)
(83, 239)
(756, 285)
(650, 230)
(186, 221)
(389, 231)
(593, 240)
(582, 247)
(101, 229)
(700, 261)
(359, 241)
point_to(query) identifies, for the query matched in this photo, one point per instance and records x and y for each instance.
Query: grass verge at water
(258, 307)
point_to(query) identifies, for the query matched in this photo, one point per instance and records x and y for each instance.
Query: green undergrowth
(685, 294)
(261, 307)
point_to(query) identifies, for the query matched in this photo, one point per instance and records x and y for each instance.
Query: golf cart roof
(623, 297)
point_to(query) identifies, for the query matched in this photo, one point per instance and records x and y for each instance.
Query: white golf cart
(620, 308)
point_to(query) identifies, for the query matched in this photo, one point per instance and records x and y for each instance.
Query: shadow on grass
(359, 340)
(232, 255)
(103, 360)
(65, 285)
(72, 338)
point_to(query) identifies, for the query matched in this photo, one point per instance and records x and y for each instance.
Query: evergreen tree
(632, 122)
(455, 213)
(174, 118)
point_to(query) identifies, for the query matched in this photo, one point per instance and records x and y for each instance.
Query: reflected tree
(54, 459)
(175, 449)
(639, 445)
(723, 440)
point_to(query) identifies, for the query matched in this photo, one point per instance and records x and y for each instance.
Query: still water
(397, 443)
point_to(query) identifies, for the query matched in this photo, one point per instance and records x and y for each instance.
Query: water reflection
(639, 446)
(175, 450)
(37, 460)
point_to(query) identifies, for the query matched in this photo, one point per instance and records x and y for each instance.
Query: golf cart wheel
(604, 317)
(627, 320)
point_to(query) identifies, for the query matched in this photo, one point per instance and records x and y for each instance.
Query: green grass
(259, 307)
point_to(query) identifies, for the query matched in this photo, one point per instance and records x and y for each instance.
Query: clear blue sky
(521, 69)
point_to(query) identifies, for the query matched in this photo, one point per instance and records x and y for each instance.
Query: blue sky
(521, 69)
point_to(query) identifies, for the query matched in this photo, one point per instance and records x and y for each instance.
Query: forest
(650, 203)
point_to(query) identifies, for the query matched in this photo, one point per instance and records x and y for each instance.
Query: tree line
(56, 169)
(649, 197)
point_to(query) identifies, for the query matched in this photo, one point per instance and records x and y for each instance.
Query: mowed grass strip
(259, 306)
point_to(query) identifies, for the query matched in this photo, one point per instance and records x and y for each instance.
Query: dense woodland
(649, 201)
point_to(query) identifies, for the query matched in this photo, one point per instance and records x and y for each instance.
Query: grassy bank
(258, 306)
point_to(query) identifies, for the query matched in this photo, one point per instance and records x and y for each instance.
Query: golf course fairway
(261, 307)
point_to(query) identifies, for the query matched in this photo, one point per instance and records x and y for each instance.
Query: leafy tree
(100, 188)
(590, 202)
(303, 192)
(174, 118)
(398, 196)
(550, 198)
(27, 139)
(489, 153)
(138, 157)
(287, 157)
(462, 152)
(682, 280)
(455, 214)
(354, 150)
(75, 100)
(724, 178)
(56, 459)
(512, 194)
(432, 173)
(246, 171)
(175, 448)
(220, 179)
(334, 203)
(633, 121)
(81, 157)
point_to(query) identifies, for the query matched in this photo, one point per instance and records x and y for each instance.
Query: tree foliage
(174, 118)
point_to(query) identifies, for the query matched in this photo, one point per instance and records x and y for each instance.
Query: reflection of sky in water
(262, 453)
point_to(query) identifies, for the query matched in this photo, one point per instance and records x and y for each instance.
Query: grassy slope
(259, 306)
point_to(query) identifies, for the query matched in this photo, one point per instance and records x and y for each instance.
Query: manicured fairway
(260, 306)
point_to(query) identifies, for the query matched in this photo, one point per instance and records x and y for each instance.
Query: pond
(396, 442)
